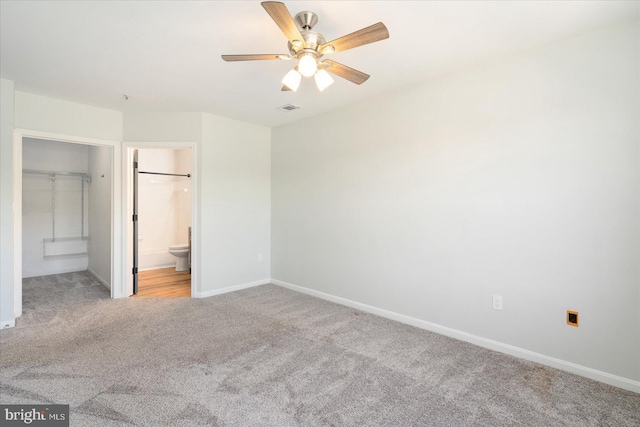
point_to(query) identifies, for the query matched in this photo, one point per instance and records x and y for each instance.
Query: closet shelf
(53, 174)
(65, 247)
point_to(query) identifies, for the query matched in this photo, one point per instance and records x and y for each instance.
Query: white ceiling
(166, 55)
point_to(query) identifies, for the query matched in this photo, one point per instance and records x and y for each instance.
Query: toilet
(181, 252)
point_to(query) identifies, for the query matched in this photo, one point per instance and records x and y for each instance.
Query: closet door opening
(66, 226)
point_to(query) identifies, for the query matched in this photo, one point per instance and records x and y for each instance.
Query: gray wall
(517, 178)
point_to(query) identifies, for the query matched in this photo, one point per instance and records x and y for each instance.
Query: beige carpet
(268, 356)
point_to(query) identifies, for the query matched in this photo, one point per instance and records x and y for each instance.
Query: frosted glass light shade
(323, 80)
(292, 80)
(307, 65)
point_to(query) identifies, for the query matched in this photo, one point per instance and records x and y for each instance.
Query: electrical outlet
(259, 257)
(497, 302)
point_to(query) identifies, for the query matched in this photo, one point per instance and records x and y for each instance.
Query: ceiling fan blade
(348, 73)
(230, 58)
(280, 14)
(285, 88)
(370, 34)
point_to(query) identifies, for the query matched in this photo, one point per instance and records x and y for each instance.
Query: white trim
(573, 368)
(157, 267)
(50, 136)
(17, 225)
(231, 289)
(98, 278)
(8, 324)
(61, 271)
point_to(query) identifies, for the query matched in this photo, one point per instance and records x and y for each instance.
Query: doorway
(162, 211)
(65, 224)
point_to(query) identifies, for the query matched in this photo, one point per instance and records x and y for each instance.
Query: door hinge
(135, 165)
(134, 270)
(134, 217)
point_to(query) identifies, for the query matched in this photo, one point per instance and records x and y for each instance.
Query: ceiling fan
(308, 48)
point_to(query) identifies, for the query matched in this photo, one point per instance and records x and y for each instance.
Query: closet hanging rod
(188, 175)
(55, 173)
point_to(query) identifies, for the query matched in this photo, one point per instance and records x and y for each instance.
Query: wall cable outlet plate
(572, 318)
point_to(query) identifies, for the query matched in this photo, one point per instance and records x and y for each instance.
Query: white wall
(165, 130)
(232, 193)
(40, 113)
(6, 202)
(49, 118)
(37, 209)
(519, 178)
(164, 205)
(235, 203)
(162, 128)
(100, 167)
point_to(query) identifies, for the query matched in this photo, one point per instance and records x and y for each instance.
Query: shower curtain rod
(188, 175)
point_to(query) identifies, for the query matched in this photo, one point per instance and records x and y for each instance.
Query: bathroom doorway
(161, 222)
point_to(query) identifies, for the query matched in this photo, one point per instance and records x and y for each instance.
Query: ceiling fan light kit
(292, 80)
(308, 47)
(323, 80)
(307, 64)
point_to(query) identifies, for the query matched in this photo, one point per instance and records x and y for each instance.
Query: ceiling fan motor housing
(306, 20)
(312, 41)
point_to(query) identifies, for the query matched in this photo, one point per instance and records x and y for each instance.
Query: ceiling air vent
(289, 107)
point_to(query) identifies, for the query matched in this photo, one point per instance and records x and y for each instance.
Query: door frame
(128, 148)
(117, 230)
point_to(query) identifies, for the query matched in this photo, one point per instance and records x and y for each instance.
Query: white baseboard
(151, 260)
(57, 271)
(230, 289)
(7, 324)
(553, 362)
(98, 278)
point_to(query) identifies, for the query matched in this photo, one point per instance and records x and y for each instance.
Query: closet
(65, 189)
(66, 216)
